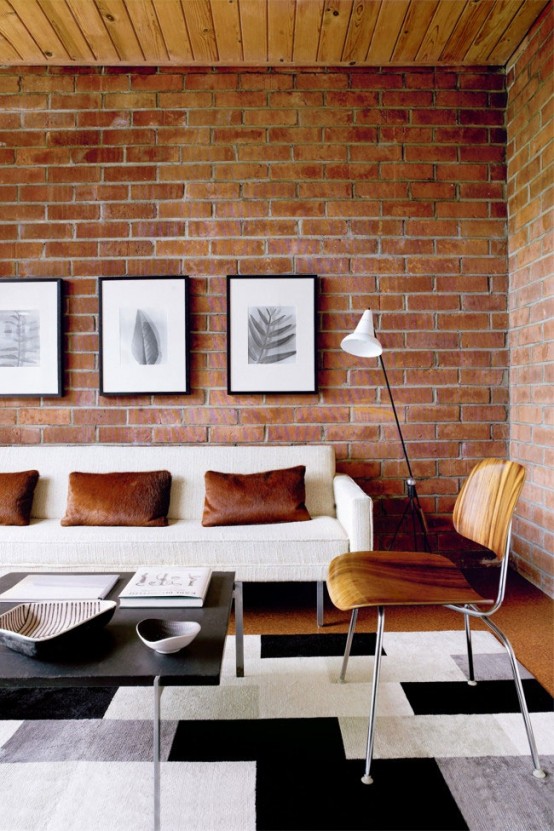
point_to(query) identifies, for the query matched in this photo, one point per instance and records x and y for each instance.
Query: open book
(166, 586)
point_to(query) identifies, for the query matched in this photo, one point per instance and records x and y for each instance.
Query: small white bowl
(167, 635)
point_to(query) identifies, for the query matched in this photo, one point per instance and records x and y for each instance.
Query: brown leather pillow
(16, 496)
(255, 498)
(133, 498)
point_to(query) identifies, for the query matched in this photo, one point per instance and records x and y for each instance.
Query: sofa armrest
(354, 512)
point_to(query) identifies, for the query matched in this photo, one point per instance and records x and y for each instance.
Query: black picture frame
(31, 338)
(271, 334)
(144, 335)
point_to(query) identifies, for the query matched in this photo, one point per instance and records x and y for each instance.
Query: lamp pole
(363, 343)
(414, 506)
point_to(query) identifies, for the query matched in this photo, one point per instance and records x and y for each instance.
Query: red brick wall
(531, 297)
(389, 185)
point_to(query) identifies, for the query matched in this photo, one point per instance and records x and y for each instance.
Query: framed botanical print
(31, 346)
(144, 335)
(271, 334)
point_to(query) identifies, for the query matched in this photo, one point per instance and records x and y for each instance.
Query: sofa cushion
(281, 552)
(272, 496)
(127, 498)
(16, 496)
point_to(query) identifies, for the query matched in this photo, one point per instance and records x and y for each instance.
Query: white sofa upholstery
(298, 551)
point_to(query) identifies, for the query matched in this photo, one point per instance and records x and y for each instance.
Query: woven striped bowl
(37, 629)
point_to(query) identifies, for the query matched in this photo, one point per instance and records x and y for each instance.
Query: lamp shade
(362, 341)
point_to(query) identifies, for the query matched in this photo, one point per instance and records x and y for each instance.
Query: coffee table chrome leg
(239, 629)
(157, 696)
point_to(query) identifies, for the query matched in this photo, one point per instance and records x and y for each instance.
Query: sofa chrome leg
(320, 596)
(239, 628)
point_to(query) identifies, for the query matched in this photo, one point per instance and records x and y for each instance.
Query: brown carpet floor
(526, 617)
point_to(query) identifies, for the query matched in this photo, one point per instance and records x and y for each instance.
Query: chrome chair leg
(367, 778)
(349, 638)
(470, 671)
(538, 771)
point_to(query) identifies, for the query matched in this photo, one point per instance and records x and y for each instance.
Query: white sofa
(298, 551)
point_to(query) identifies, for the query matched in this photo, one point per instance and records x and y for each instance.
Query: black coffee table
(115, 656)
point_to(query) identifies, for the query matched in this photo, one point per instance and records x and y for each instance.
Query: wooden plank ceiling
(264, 32)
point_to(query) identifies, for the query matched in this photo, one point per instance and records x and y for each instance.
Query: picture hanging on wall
(31, 349)
(271, 334)
(144, 335)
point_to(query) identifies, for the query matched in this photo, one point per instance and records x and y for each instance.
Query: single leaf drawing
(271, 335)
(19, 338)
(145, 344)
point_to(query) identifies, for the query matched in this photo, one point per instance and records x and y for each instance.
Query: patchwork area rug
(283, 747)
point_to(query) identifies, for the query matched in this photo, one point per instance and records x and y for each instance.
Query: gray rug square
(86, 740)
(495, 792)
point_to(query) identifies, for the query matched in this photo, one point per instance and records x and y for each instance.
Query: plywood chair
(482, 513)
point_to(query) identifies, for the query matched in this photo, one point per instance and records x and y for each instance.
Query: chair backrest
(486, 502)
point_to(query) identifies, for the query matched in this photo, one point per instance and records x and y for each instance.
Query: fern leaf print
(19, 338)
(271, 334)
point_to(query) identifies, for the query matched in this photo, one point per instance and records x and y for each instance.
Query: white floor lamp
(363, 343)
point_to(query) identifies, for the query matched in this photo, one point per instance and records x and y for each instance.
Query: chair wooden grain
(482, 513)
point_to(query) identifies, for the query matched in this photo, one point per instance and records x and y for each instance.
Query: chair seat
(396, 578)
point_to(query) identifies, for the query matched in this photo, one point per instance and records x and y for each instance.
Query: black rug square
(452, 697)
(54, 702)
(254, 739)
(304, 781)
(406, 794)
(312, 646)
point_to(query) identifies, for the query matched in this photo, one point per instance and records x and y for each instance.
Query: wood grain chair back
(486, 502)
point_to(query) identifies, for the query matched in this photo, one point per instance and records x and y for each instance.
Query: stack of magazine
(166, 586)
(60, 587)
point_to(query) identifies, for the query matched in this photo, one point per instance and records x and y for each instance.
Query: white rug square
(89, 796)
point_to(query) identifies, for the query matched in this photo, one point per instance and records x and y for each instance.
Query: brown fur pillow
(255, 498)
(134, 498)
(16, 497)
